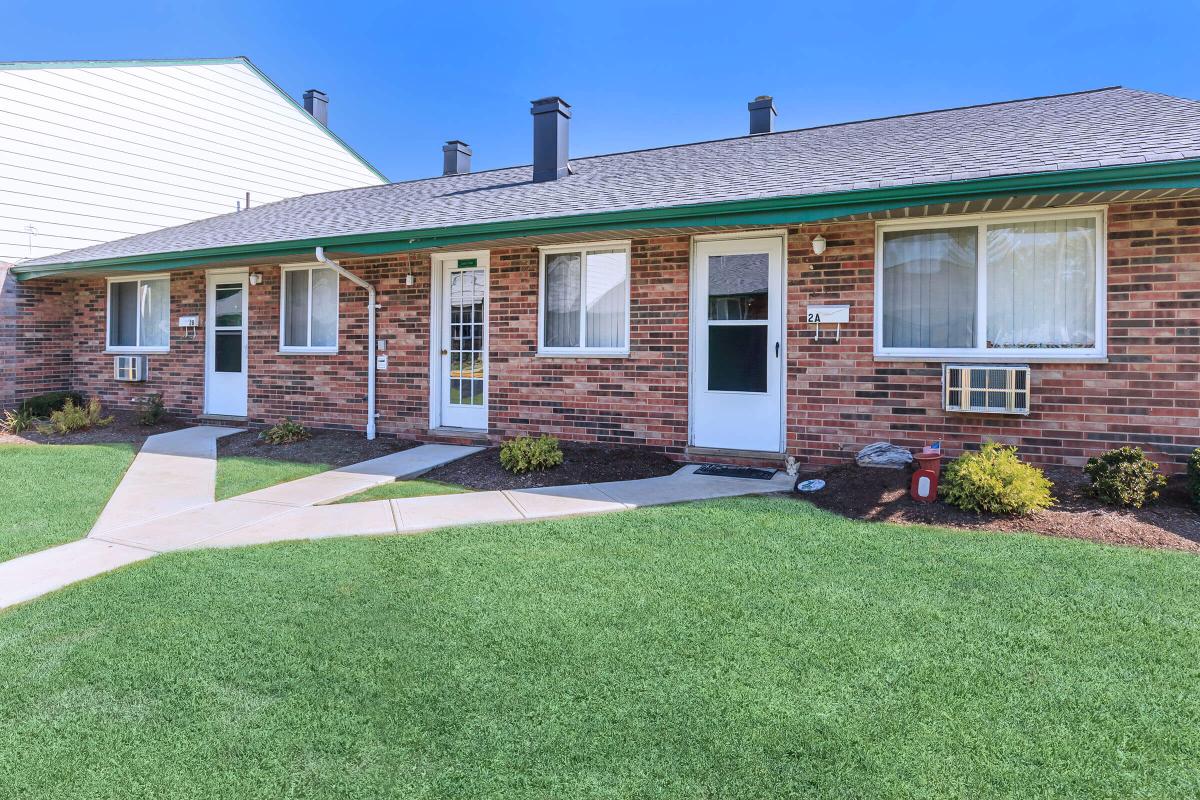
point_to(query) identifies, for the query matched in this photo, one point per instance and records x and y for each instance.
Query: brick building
(1025, 271)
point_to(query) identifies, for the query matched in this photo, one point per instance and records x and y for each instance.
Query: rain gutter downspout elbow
(371, 309)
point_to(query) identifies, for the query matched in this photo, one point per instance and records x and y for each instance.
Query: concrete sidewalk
(415, 514)
(172, 472)
(289, 512)
(165, 502)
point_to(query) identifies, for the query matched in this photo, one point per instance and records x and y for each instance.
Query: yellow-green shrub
(285, 432)
(526, 454)
(76, 418)
(996, 481)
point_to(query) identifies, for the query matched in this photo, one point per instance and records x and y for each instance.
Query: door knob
(445, 352)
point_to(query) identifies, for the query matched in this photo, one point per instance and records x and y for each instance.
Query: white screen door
(464, 343)
(737, 328)
(225, 367)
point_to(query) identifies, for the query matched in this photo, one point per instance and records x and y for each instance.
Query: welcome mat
(737, 472)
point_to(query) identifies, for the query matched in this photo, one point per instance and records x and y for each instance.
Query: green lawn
(401, 489)
(50, 494)
(240, 474)
(738, 648)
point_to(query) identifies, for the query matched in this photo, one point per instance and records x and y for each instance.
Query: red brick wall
(1148, 394)
(35, 341)
(840, 398)
(179, 374)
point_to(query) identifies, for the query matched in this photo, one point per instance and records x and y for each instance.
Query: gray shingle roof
(1103, 127)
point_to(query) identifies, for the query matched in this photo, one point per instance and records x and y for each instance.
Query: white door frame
(437, 318)
(211, 279)
(698, 316)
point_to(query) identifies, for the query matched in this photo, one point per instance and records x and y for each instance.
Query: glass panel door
(464, 348)
(227, 327)
(738, 306)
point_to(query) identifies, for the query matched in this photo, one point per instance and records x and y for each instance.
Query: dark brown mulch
(582, 463)
(336, 448)
(124, 428)
(882, 495)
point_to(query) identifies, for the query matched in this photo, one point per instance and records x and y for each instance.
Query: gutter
(372, 307)
(1181, 174)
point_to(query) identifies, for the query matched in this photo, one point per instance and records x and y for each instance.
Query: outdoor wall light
(818, 244)
(255, 278)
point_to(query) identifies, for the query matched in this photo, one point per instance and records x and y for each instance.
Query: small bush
(1124, 477)
(73, 417)
(526, 454)
(1193, 472)
(996, 481)
(285, 432)
(17, 420)
(149, 408)
(43, 404)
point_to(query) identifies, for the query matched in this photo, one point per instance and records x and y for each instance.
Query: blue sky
(402, 78)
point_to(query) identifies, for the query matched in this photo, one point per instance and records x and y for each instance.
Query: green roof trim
(199, 62)
(1183, 173)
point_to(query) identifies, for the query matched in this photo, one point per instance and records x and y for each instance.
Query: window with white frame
(1006, 286)
(139, 314)
(584, 300)
(308, 319)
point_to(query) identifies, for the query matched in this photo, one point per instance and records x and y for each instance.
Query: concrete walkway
(172, 472)
(165, 501)
(290, 511)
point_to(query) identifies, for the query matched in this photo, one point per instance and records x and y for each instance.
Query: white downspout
(371, 307)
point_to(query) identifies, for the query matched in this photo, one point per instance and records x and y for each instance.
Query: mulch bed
(582, 463)
(124, 428)
(882, 495)
(336, 448)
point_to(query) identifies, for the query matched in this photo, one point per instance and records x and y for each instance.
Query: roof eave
(1182, 173)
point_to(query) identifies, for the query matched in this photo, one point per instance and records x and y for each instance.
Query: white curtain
(605, 297)
(295, 308)
(323, 332)
(929, 288)
(154, 319)
(1041, 284)
(563, 292)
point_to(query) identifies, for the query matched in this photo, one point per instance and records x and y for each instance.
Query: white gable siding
(93, 153)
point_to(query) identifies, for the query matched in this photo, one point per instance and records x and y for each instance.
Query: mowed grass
(241, 474)
(50, 494)
(745, 648)
(398, 490)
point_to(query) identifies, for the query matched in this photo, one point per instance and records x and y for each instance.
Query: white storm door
(463, 350)
(737, 331)
(225, 368)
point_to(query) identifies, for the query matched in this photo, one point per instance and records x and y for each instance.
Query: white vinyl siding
(308, 316)
(992, 287)
(583, 300)
(96, 153)
(138, 315)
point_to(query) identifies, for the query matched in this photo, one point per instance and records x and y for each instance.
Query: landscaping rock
(883, 454)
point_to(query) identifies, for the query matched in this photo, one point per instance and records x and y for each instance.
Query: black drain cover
(737, 472)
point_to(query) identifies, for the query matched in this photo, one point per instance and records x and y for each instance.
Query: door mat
(737, 472)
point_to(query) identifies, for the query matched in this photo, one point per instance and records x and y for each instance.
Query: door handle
(777, 349)
(445, 352)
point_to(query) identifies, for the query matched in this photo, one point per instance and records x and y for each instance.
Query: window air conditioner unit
(129, 368)
(986, 388)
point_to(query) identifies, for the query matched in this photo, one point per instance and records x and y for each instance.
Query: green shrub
(1193, 474)
(1125, 477)
(285, 432)
(17, 420)
(43, 404)
(73, 417)
(149, 408)
(526, 454)
(996, 481)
